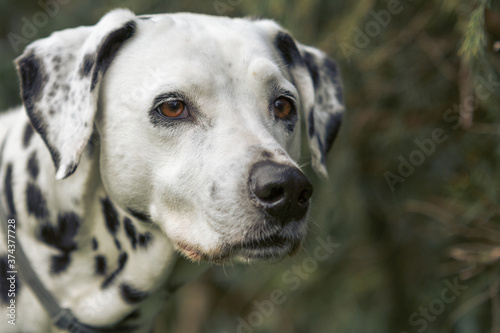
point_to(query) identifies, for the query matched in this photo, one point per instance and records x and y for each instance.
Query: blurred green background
(412, 201)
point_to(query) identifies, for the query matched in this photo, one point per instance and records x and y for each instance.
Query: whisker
(307, 163)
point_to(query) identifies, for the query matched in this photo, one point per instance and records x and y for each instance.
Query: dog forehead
(208, 56)
(206, 39)
(204, 24)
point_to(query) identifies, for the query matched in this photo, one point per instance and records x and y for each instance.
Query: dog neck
(99, 260)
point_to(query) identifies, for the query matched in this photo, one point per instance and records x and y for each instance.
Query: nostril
(304, 197)
(273, 193)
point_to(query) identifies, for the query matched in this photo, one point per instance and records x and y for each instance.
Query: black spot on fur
(144, 18)
(287, 48)
(60, 263)
(145, 239)
(143, 217)
(332, 129)
(110, 216)
(35, 202)
(56, 59)
(5, 285)
(33, 167)
(136, 238)
(95, 244)
(311, 130)
(61, 237)
(131, 295)
(130, 231)
(88, 63)
(332, 72)
(100, 265)
(118, 244)
(321, 149)
(9, 194)
(313, 69)
(122, 260)
(109, 48)
(28, 134)
(33, 80)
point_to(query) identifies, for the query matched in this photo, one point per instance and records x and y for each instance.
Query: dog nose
(282, 191)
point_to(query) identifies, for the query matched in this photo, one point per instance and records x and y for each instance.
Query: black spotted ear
(319, 83)
(324, 116)
(60, 77)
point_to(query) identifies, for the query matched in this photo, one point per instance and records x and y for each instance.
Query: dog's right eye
(174, 109)
(283, 108)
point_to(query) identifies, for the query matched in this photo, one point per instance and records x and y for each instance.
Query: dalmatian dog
(146, 139)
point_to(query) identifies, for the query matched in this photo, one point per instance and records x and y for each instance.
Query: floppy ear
(318, 80)
(60, 79)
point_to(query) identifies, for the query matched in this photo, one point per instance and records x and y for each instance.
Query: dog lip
(264, 242)
(274, 248)
(263, 248)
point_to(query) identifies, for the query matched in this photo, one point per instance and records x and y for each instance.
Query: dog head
(198, 122)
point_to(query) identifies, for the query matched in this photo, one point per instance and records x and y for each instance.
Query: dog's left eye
(283, 108)
(174, 109)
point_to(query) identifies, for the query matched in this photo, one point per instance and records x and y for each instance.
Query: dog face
(198, 120)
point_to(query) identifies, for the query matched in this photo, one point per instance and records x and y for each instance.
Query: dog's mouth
(269, 248)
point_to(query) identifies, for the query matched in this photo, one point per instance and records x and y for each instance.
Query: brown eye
(283, 108)
(174, 109)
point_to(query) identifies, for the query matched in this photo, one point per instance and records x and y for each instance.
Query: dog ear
(318, 80)
(60, 78)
